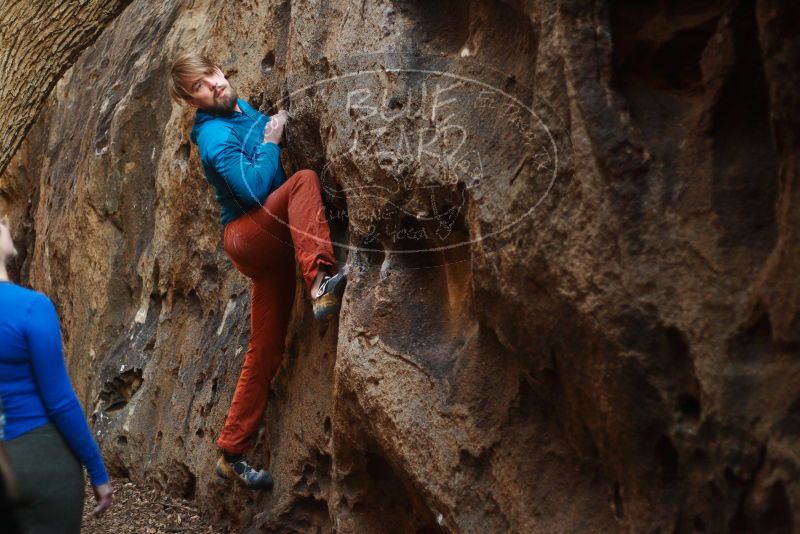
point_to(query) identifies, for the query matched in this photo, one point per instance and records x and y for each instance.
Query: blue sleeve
(52, 380)
(250, 181)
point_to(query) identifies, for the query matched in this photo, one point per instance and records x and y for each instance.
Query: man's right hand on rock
(274, 129)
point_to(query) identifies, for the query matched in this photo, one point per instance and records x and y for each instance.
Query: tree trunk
(39, 41)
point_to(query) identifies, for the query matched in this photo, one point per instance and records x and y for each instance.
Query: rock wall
(571, 230)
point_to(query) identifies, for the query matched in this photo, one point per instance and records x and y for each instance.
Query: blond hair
(186, 68)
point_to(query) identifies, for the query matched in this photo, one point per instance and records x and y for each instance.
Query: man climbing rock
(264, 216)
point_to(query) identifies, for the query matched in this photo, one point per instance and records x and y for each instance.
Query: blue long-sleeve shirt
(34, 384)
(242, 170)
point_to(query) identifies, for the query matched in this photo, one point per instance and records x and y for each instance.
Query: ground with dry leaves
(143, 511)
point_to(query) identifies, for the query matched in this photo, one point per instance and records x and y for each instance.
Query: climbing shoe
(243, 473)
(329, 296)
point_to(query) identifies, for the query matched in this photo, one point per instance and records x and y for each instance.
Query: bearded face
(213, 92)
(224, 100)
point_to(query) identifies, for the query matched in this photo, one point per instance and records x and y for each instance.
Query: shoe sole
(325, 307)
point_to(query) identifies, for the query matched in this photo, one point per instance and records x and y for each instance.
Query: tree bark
(39, 41)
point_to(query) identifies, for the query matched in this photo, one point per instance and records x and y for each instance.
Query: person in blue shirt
(45, 436)
(268, 221)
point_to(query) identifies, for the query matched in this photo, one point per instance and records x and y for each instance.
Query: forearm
(55, 390)
(249, 178)
(73, 428)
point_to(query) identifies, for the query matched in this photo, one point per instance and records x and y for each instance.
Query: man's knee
(306, 177)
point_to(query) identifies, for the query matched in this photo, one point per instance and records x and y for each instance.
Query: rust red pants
(260, 245)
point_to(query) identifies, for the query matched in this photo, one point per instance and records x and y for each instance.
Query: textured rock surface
(588, 324)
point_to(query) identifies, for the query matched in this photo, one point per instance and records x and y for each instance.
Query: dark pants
(260, 245)
(49, 480)
(7, 494)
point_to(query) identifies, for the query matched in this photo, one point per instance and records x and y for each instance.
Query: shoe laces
(243, 468)
(323, 285)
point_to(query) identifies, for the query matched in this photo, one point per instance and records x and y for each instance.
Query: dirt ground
(143, 511)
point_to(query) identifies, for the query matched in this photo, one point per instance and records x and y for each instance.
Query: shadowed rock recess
(586, 320)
